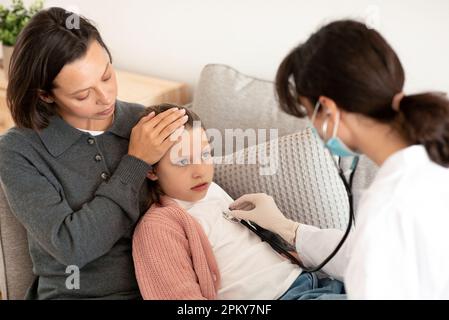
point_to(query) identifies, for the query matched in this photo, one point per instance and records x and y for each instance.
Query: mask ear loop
(326, 123)
(315, 112)
(324, 133)
(337, 123)
(324, 127)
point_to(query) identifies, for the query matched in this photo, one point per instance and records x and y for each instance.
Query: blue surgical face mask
(334, 144)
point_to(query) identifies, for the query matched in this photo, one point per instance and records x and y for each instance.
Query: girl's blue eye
(183, 162)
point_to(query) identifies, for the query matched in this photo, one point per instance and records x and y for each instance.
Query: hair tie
(397, 101)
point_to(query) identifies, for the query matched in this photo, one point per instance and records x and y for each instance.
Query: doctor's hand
(261, 209)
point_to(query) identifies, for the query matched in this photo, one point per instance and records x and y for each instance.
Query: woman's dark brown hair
(154, 187)
(355, 66)
(47, 43)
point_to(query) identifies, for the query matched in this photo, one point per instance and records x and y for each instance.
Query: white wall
(174, 39)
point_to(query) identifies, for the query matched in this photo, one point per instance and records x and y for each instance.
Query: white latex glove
(261, 209)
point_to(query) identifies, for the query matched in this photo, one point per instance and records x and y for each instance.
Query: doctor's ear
(45, 96)
(328, 106)
(152, 175)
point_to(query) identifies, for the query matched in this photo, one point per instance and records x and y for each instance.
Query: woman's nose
(102, 97)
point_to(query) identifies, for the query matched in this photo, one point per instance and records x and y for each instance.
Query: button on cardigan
(77, 211)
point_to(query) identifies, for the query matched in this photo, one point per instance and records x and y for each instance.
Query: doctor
(348, 80)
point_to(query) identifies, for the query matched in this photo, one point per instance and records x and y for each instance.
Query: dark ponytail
(356, 67)
(424, 119)
(285, 90)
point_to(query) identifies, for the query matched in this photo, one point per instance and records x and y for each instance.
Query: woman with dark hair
(349, 81)
(73, 169)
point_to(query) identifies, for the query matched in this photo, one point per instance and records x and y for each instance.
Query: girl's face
(186, 170)
(85, 90)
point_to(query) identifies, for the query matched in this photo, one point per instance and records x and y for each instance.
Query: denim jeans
(308, 286)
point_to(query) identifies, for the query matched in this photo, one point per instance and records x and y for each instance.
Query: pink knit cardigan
(172, 255)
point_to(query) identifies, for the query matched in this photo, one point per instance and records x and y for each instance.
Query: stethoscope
(262, 233)
(280, 249)
(348, 187)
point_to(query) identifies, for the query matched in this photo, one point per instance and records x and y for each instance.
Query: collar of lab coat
(401, 160)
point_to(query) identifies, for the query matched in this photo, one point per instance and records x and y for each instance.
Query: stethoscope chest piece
(227, 215)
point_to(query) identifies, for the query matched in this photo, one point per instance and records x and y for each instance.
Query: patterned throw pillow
(296, 171)
(227, 99)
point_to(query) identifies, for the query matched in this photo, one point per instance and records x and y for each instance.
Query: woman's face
(85, 89)
(186, 170)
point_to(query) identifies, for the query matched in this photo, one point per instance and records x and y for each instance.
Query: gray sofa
(305, 184)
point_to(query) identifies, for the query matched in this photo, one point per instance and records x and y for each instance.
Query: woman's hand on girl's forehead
(150, 137)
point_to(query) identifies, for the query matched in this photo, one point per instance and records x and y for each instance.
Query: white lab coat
(399, 247)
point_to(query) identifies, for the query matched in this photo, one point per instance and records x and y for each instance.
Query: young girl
(183, 247)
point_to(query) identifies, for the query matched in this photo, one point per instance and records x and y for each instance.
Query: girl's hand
(150, 137)
(261, 209)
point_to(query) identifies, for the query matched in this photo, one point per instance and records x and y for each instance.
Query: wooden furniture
(5, 118)
(132, 87)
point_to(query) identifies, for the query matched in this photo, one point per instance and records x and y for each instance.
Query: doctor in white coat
(348, 80)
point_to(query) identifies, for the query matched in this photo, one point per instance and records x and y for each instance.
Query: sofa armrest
(16, 273)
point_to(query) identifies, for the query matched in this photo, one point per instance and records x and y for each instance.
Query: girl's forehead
(191, 138)
(194, 134)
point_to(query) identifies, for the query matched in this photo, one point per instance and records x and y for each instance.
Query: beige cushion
(306, 185)
(15, 262)
(227, 99)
